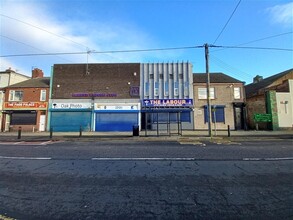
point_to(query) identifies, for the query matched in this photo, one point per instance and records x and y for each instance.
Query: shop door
(42, 123)
(238, 119)
(116, 121)
(70, 121)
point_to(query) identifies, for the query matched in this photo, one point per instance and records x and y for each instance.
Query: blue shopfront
(70, 116)
(116, 117)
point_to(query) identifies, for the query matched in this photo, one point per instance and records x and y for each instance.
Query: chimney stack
(257, 79)
(37, 73)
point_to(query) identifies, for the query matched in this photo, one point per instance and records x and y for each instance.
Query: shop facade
(98, 97)
(166, 97)
(26, 104)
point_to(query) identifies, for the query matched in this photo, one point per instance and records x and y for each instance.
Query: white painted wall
(285, 107)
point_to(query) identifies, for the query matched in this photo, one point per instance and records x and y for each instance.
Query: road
(147, 180)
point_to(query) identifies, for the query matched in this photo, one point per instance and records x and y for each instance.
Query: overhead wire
(104, 52)
(227, 21)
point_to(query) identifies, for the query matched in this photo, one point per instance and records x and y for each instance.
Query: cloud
(282, 14)
(30, 27)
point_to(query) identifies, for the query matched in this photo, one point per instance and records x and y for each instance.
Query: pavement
(149, 136)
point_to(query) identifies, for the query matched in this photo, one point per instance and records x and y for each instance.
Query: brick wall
(115, 79)
(224, 95)
(255, 105)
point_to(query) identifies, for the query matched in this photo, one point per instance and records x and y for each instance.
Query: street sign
(262, 117)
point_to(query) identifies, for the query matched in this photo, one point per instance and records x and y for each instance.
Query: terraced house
(26, 104)
(227, 100)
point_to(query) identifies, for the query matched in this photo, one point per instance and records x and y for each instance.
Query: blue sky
(63, 26)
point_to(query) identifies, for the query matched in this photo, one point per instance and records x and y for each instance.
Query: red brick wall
(101, 78)
(256, 104)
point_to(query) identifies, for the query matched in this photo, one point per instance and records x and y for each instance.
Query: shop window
(15, 95)
(237, 93)
(163, 116)
(218, 114)
(43, 95)
(202, 93)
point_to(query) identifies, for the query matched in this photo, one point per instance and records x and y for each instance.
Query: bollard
(19, 133)
(80, 131)
(229, 131)
(51, 132)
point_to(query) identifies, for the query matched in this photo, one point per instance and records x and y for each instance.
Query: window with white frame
(15, 95)
(237, 93)
(202, 93)
(43, 95)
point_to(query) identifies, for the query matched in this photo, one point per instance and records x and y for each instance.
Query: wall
(104, 80)
(285, 107)
(255, 105)
(223, 96)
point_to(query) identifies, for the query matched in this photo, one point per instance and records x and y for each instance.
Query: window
(218, 114)
(237, 94)
(43, 95)
(15, 95)
(172, 116)
(202, 93)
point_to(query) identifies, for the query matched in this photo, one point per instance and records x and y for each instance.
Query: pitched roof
(32, 83)
(214, 78)
(252, 88)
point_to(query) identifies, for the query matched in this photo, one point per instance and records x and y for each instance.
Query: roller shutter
(115, 121)
(71, 121)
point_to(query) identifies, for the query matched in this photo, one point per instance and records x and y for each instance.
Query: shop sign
(85, 95)
(167, 102)
(25, 105)
(71, 105)
(116, 107)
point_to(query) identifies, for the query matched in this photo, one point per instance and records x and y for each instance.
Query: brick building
(116, 97)
(26, 104)
(7, 78)
(268, 96)
(95, 97)
(227, 102)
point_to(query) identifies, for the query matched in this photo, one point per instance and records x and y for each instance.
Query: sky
(37, 33)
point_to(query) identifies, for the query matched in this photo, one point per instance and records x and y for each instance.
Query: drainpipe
(50, 100)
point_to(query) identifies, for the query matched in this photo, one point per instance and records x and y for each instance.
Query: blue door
(70, 121)
(115, 121)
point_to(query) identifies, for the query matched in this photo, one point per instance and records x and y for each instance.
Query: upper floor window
(202, 93)
(43, 95)
(15, 95)
(237, 93)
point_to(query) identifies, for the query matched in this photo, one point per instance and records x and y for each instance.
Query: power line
(254, 48)
(42, 29)
(227, 21)
(261, 39)
(102, 52)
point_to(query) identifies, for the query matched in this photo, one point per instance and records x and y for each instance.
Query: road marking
(141, 158)
(268, 159)
(29, 142)
(26, 158)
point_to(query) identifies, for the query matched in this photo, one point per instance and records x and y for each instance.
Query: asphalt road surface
(146, 180)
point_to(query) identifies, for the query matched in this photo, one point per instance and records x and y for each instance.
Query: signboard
(25, 105)
(81, 95)
(116, 107)
(71, 105)
(167, 102)
(262, 117)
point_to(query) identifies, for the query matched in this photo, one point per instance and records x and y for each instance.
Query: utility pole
(209, 109)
